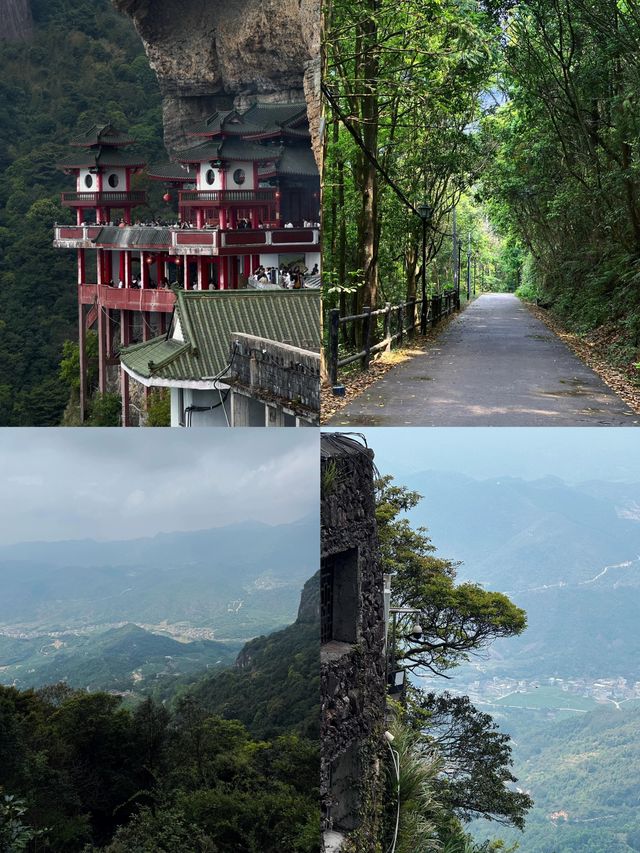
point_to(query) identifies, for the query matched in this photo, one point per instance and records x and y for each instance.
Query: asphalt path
(495, 364)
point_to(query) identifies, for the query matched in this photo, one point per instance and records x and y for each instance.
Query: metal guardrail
(405, 317)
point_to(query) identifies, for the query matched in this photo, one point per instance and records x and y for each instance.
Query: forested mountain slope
(83, 64)
(85, 774)
(582, 774)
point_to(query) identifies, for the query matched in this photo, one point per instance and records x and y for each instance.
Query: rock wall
(209, 53)
(16, 23)
(353, 683)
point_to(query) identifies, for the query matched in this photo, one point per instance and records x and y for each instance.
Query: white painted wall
(247, 167)
(194, 397)
(201, 178)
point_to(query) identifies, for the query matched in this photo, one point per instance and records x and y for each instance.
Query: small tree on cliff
(457, 620)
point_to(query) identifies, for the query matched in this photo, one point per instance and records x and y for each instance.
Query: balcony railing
(195, 198)
(190, 241)
(127, 298)
(105, 199)
(75, 236)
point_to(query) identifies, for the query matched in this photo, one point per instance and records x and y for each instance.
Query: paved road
(495, 365)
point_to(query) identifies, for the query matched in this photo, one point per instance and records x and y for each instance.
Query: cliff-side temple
(352, 655)
(242, 215)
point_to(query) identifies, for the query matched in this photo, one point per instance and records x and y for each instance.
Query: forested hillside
(582, 774)
(83, 64)
(82, 773)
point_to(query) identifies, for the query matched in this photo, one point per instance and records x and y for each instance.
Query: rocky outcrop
(16, 23)
(209, 53)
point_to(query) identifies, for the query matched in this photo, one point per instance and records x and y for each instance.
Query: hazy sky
(574, 455)
(117, 483)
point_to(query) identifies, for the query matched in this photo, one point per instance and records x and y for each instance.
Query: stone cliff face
(210, 53)
(16, 23)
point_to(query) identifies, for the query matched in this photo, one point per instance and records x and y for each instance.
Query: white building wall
(247, 168)
(201, 177)
(195, 397)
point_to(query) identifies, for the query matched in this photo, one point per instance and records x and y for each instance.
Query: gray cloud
(109, 484)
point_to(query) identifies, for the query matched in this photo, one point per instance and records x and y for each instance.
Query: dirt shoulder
(626, 383)
(359, 380)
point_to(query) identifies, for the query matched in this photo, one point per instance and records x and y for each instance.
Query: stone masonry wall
(284, 374)
(353, 684)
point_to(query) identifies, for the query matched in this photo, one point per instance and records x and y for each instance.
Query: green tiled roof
(101, 157)
(227, 149)
(101, 134)
(258, 120)
(209, 320)
(297, 161)
(171, 172)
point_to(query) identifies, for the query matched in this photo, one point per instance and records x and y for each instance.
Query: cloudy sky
(120, 484)
(574, 455)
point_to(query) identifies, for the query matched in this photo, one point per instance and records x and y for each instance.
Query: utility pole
(425, 212)
(474, 275)
(469, 268)
(454, 255)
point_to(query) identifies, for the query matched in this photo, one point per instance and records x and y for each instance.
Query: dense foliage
(405, 86)
(582, 773)
(84, 64)
(564, 179)
(83, 772)
(275, 687)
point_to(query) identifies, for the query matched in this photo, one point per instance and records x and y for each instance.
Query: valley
(568, 689)
(138, 615)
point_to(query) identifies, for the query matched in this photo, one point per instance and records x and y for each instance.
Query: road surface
(495, 365)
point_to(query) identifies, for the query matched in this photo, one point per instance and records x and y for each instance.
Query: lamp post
(425, 212)
(469, 268)
(396, 676)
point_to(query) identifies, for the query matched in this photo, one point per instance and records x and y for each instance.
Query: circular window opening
(210, 177)
(239, 176)
(88, 181)
(113, 181)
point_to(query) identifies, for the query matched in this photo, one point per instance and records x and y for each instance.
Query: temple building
(247, 217)
(241, 358)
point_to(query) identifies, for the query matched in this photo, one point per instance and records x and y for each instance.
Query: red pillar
(102, 353)
(185, 272)
(82, 346)
(125, 340)
(144, 278)
(81, 266)
(127, 269)
(246, 266)
(203, 283)
(123, 274)
(222, 275)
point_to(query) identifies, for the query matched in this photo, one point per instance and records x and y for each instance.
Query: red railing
(104, 199)
(127, 298)
(195, 198)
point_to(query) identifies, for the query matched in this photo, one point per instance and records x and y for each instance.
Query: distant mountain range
(569, 555)
(136, 615)
(236, 581)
